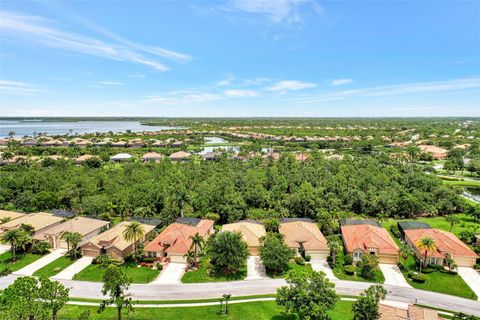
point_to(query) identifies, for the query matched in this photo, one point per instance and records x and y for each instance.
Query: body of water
(28, 128)
(214, 140)
(473, 193)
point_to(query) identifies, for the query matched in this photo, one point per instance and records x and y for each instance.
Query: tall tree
(452, 220)
(335, 247)
(197, 243)
(366, 306)
(405, 252)
(274, 253)
(72, 239)
(228, 252)
(426, 244)
(15, 238)
(115, 284)
(308, 295)
(53, 295)
(134, 232)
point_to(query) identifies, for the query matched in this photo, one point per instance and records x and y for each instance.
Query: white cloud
(290, 85)
(238, 93)
(398, 90)
(39, 30)
(339, 82)
(227, 81)
(276, 11)
(110, 83)
(182, 98)
(8, 87)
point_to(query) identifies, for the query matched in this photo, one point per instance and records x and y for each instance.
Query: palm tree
(134, 232)
(181, 199)
(191, 258)
(16, 238)
(75, 238)
(453, 220)
(405, 252)
(427, 244)
(335, 248)
(197, 242)
(226, 297)
(66, 236)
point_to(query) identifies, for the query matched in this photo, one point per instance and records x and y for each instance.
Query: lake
(473, 193)
(28, 128)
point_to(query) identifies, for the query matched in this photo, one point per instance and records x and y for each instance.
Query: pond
(214, 140)
(472, 193)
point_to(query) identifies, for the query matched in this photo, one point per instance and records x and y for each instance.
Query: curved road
(92, 290)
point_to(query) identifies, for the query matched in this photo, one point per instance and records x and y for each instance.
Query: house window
(357, 255)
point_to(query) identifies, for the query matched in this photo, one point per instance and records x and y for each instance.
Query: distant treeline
(231, 190)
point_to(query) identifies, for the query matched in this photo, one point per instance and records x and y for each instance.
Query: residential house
(152, 156)
(448, 246)
(38, 221)
(86, 227)
(360, 239)
(10, 215)
(120, 157)
(303, 236)
(112, 243)
(412, 312)
(180, 156)
(210, 155)
(83, 158)
(251, 232)
(436, 152)
(174, 241)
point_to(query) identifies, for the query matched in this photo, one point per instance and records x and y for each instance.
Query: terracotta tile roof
(305, 232)
(81, 225)
(446, 243)
(113, 237)
(367, 236)
(180, 155)
(177, 235)
(37, 220)
(251, 231)
(412, 313)
(152, 155)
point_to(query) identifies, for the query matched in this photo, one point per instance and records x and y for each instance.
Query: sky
(240, 58)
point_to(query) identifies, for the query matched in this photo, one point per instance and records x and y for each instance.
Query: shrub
(40, 247)
(435, 267)
(148, 259)
(129, 257)
(395, 231)
(117, 262)
(101, 259)
(271, 224)
(299, 260)
(368, 266)
(410, 273)
(349, 269)
(428, 270)
(420, 278)
(159, 266)
(105, 216)
(329, 259)
(347, 259)
(308, 258)
(5, 272)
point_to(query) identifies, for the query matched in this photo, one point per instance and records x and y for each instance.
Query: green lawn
(463, 183)
(54, 267)
(22, 260)
(202, 275)
(466, 223)
(94, 272)
(264, 310)
(340, 274)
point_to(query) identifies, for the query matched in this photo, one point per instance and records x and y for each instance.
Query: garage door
(91, 253)
(317, 255)
(388, 260)
(177, 259)
(62, 244)
(465, 262)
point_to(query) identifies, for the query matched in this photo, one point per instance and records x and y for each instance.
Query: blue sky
(240, 58)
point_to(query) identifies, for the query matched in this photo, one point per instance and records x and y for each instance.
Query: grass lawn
(54, 267)
(292, 266)
(202, 275)
(340, 274)
(264, 310)
(94, 272)
(463, 183)
(22, 260)
(466, 223)
(441, 282)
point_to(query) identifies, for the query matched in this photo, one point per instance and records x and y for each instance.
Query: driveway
(4, 248)
(40, 263)
(472, 278)
(255, 269)
(322, 265)
(171, 274)
(393, 275)
(74, 268)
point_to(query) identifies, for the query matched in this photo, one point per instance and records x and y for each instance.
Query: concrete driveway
(4, 248)
(255, 269)
(322, 265)
(74, 268)
(40, 263)
(171, 274)
(472, 278)
(393, 275)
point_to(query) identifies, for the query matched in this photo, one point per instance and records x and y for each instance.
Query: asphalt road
(92, 290)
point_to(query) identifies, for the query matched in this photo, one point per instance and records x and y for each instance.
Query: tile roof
(180, 155)
(177, 236)
(37, 220)
(81, 225)
(10, 214)
(303, 232)
(113, 237)
(367, 236)
(446, 243)
(412, 313)
(251, 231)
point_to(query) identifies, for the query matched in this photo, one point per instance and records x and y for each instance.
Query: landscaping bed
(339, 272)
(54, 267)
(202, 274)
(95, 272)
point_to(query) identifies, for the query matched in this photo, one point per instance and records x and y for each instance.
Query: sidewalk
(40, 263)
